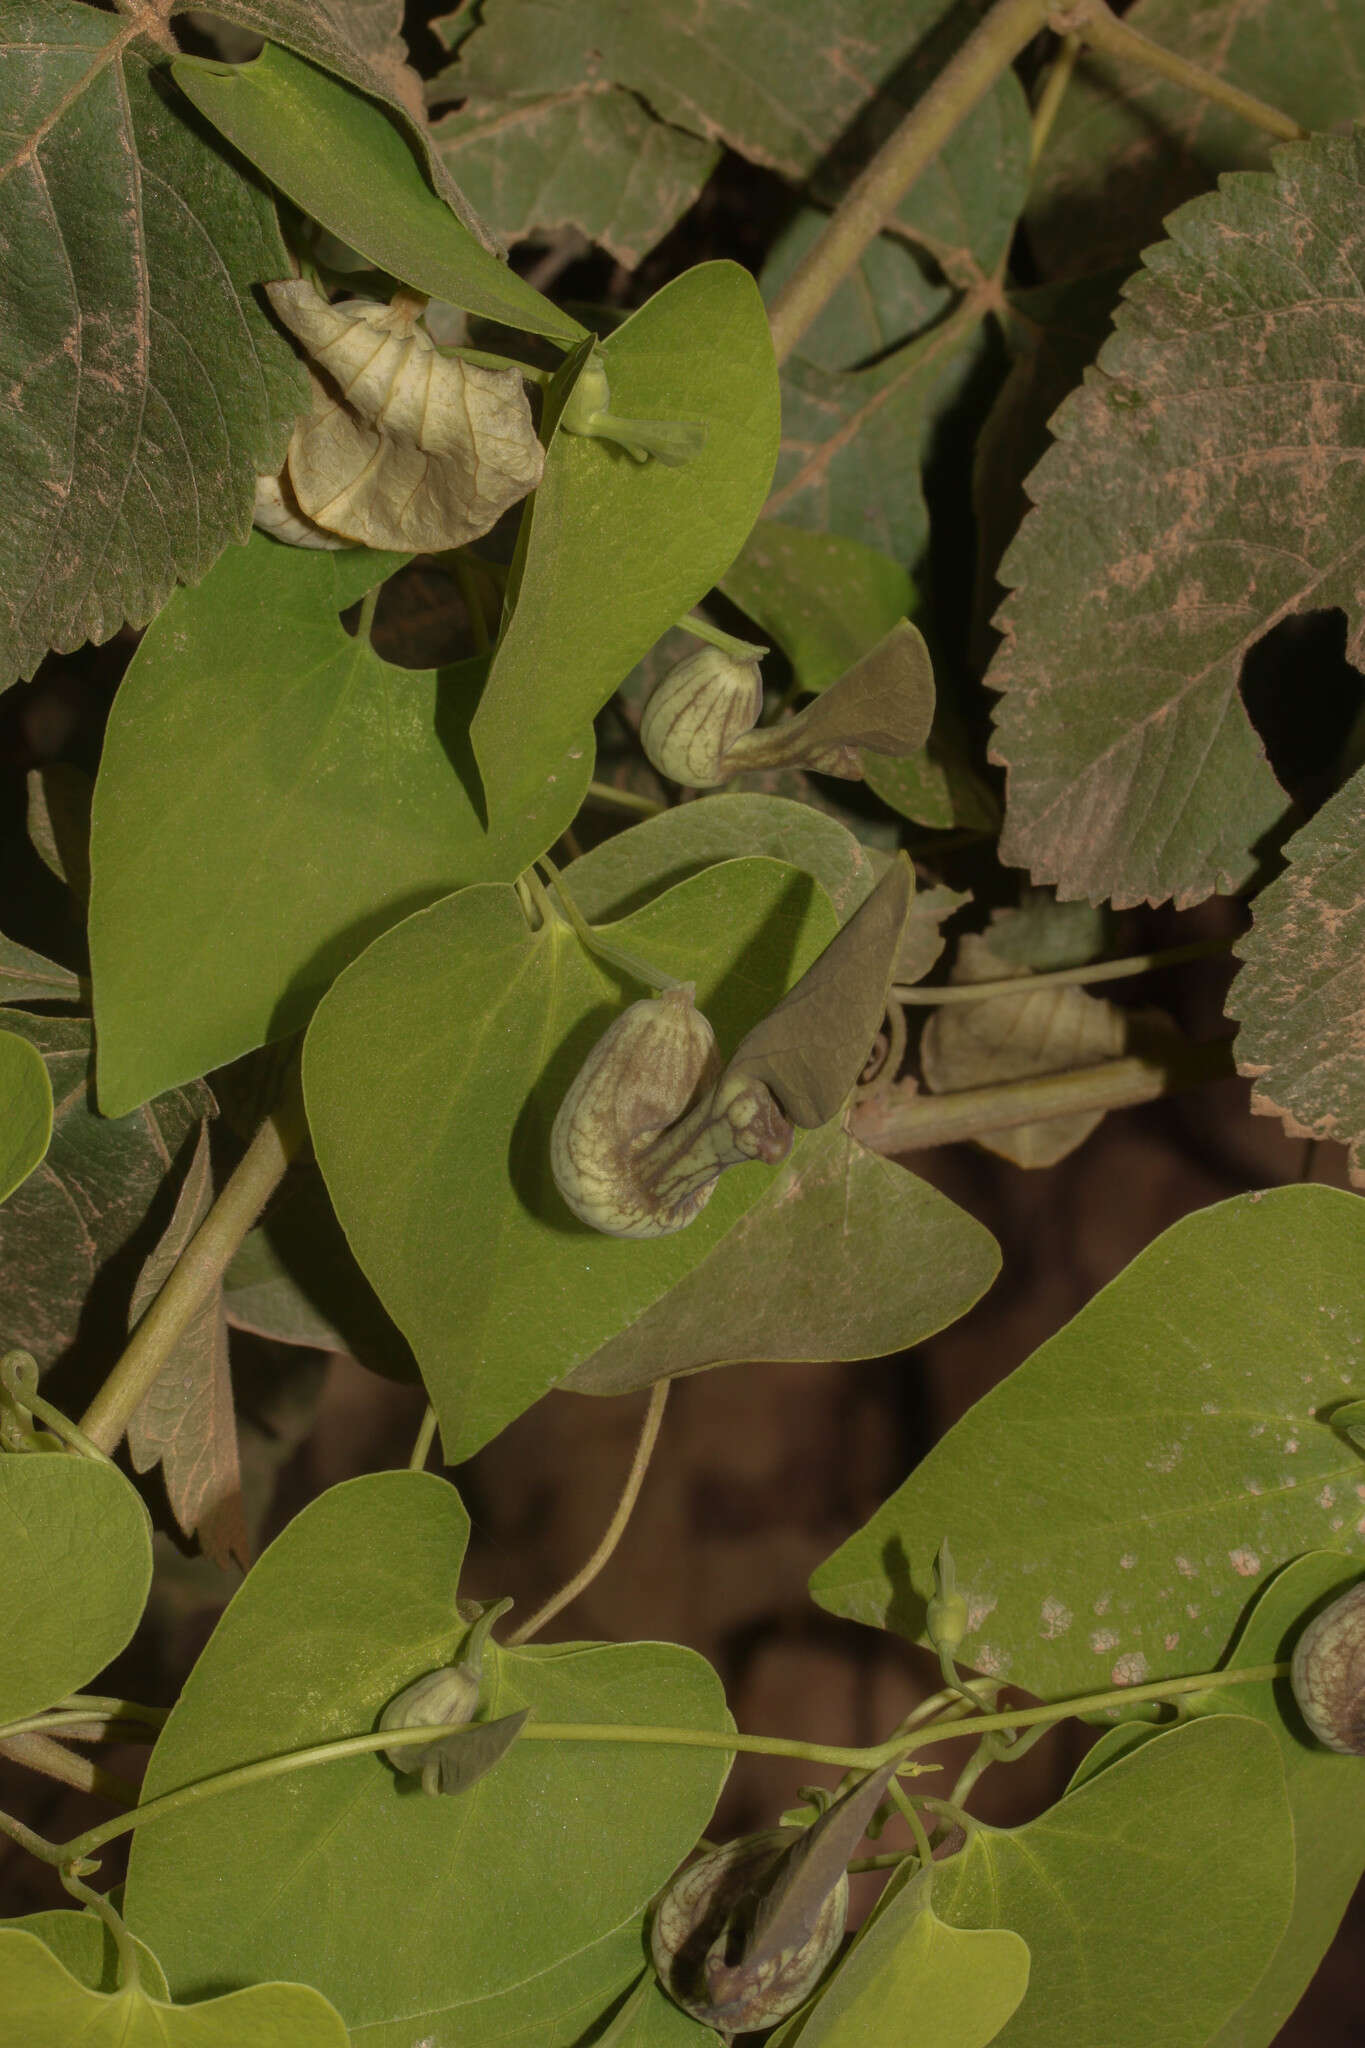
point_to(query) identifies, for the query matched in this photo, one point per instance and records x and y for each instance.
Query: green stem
(369, 604)
(1061, 977)
(103, 1708)
(902, 1119)
(1088, 1703)
(58, 1718)
(1093, 21)
(197, 1272)
(36, 1752)
(421, 1449)
(19, 1379)
(36, 1845)
(625, 799)
(901, 1745)
(616, 1528)
(743, 650)
(1051, 97)
(909, 1814)
(129, 1967)
(874, 195)
(593, 942)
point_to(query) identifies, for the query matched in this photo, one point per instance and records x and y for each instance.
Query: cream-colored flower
(403, 448)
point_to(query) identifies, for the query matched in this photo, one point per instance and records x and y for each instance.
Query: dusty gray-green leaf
(46, 2007)
(186, 1421)
(590, 157)
(1054, 333)
(25, 1111)
(1128, 146)
(812, 1047)
(147, 385)
(67, 1227)
(922, 940)
(404, 448)
(1300, 992)
(29, 977)
(884, 704)
(853, 443)
(343, 160)
(717, 79)
(847, 1256)
(59, 823)
(1216, 1404)
(1011, 1038)
(887, 300)
(1204, 484)
(1041, 935)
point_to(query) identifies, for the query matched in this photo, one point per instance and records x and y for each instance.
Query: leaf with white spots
(1115, 1505)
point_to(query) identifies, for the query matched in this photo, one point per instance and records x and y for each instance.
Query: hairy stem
(82, 1847)
(903, 1120)
(874, 195)
(1100, 29)
(54, 1760)
(743, 650)
(910, 1815)
(624, 800)
(593, 942)
(1061, 977)
(425, 1436)
(197, 1271)
(1050, 98)
(616, 1528)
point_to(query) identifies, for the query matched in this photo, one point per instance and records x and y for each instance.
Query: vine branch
(81, 1848)
(1101, 29)
(874, 195)
(902, 1119)
(616, 1528)
(196, 1273)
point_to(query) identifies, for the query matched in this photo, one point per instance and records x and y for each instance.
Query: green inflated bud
(1328, 1674)
(696, 715)
(946, 1616)
(587, 411)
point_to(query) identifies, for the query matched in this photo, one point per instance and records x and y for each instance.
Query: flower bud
(448, 1696)
(651, 1122)
(644, 1073)
(1328, 1674)
(587, 410)
(706, 1918)
(946, 1615)
(697, 713)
